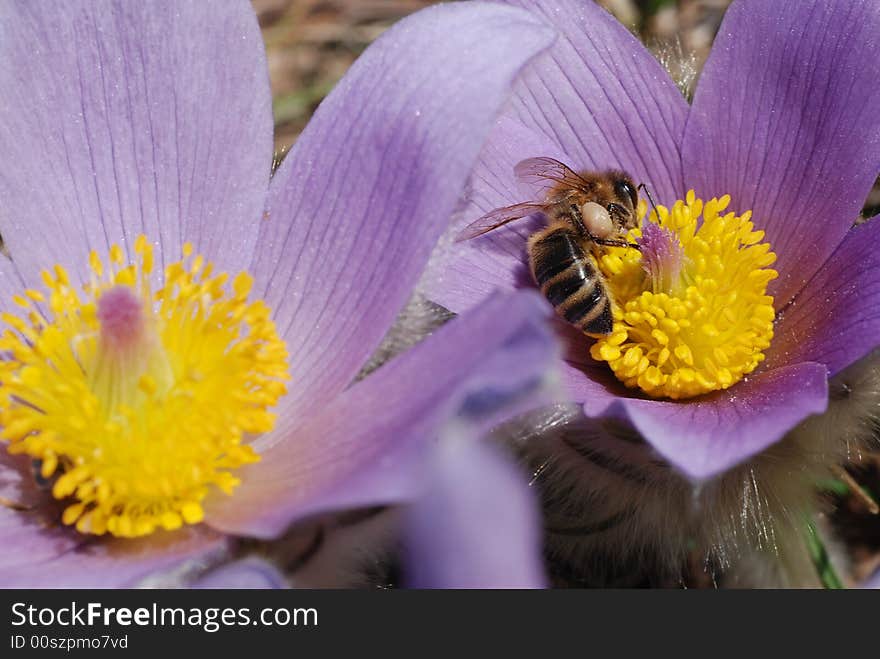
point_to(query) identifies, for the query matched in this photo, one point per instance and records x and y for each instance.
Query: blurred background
(311, 43)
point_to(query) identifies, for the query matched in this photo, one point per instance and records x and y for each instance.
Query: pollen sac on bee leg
(597, 220)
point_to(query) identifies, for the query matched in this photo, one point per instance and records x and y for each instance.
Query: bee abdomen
(562, 287)
(590, 310)
(570, 281)
(552, 253)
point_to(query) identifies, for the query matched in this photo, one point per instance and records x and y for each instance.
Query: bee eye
(626, 191)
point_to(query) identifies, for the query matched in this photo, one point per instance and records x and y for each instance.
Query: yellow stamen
(138, 402)
(691, 313)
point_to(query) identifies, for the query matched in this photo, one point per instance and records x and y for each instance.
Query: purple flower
(125, 119)
(786, 121)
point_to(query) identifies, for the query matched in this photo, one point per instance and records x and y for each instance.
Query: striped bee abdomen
(569, 279)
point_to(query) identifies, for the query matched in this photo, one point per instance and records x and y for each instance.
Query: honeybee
(584, 213)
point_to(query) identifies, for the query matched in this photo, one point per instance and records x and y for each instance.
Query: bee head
(626, 199)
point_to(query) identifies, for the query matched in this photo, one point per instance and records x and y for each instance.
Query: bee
(585, 212)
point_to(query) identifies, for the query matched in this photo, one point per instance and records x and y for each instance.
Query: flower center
(691, 313)
(136, 402)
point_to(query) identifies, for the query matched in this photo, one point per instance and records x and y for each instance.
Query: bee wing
(547, 173)
(496, 218)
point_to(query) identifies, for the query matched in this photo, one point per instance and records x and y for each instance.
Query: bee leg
(611, 242)
(578, 221)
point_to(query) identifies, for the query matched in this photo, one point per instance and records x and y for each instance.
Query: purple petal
(835, 319)
(122, 118)
(786, 120)
(464, 274)
(39, 554)
(357, 206)
(593, 386)
(602, 97)
(104, 563)
(244, 574)
(707, 436)
(477, 526)
(367, 446)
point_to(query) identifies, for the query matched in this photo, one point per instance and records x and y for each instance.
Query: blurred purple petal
(708, 435)
(476, 526)
(602, 97)
(106, 563)
(367, 446)
(122, 118)
(786, 120)
(359, 203)
(835, 319)
(243, 574)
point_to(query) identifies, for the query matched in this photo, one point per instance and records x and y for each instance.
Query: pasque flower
(182, 331)
(719, 348)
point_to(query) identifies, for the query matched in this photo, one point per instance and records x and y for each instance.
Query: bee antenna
(644, 187)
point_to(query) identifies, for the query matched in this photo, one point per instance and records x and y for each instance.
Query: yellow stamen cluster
(137, 402)
(704, 327)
